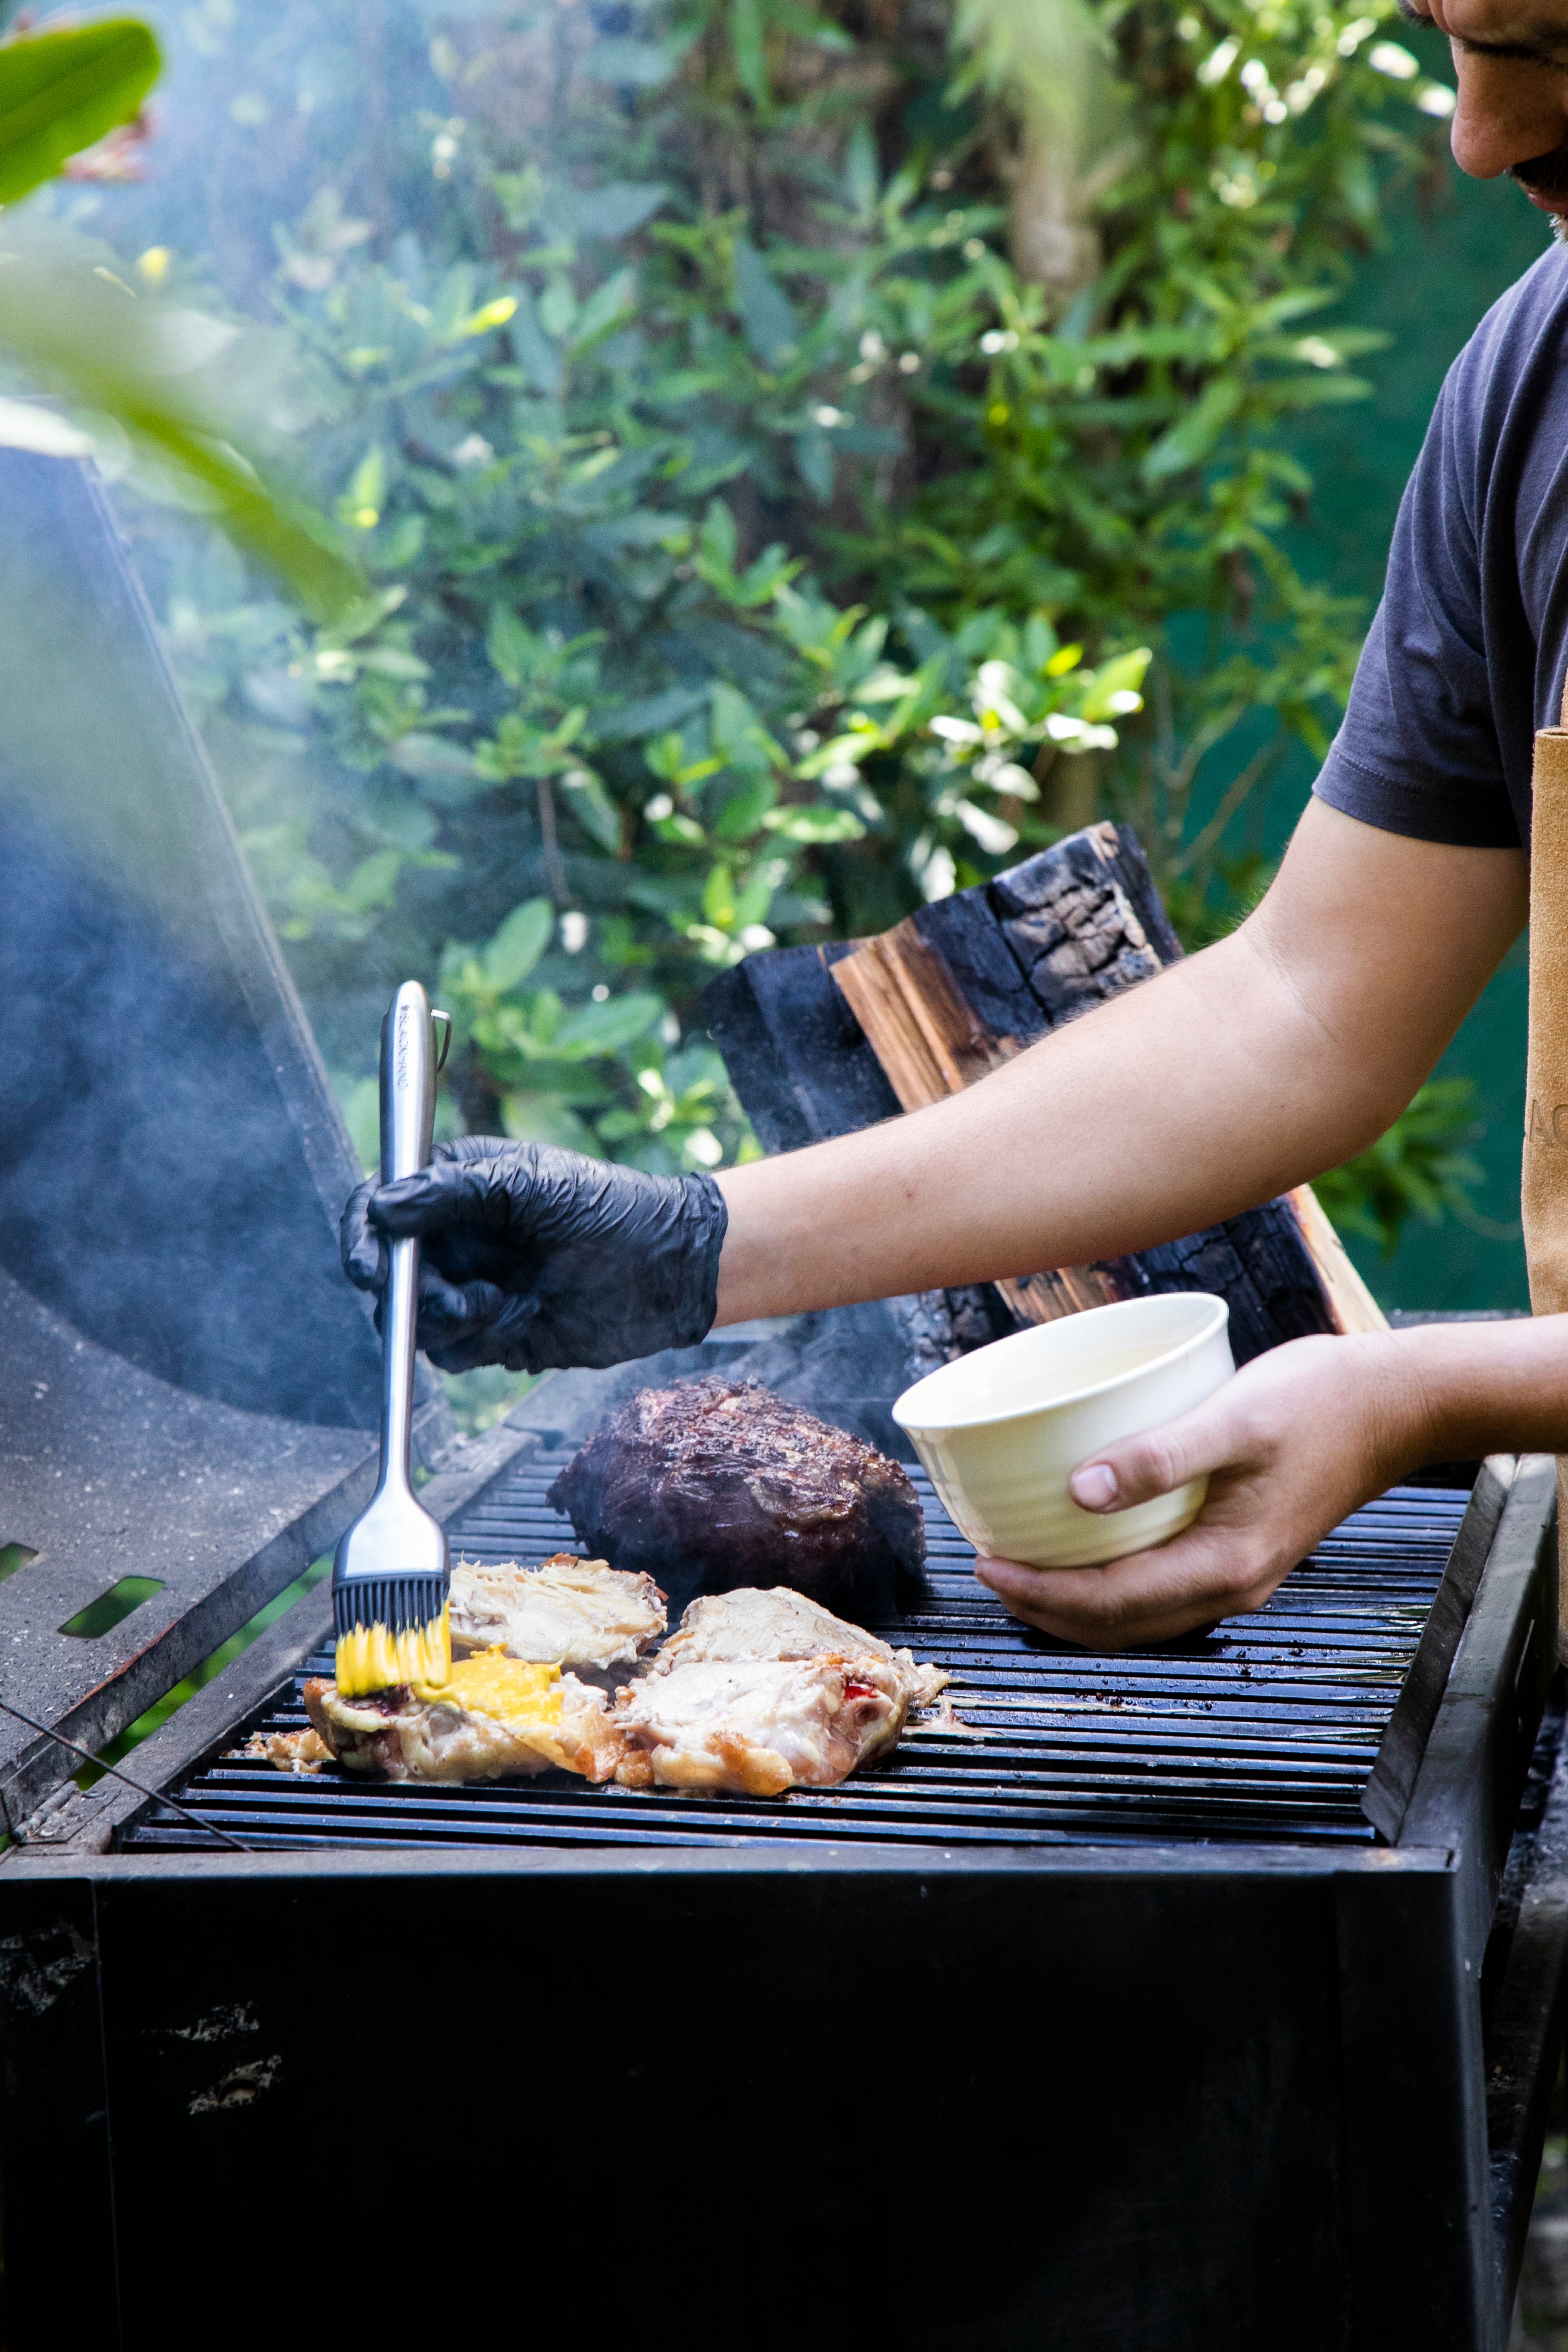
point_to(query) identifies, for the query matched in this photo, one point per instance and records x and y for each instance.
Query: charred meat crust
(715, 1484)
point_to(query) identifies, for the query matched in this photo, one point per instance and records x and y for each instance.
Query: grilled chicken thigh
(566, 1612)
(785, 1624)
(760, 1692)
(757, 1725)
(492, 1724)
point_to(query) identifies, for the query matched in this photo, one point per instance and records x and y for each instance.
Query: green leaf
(519, 944)
(433, 760)
(739, 736)
(815, 461)
(76, 332)
(544, 1118)
(619, 207)
(767, 315)
(1189, 440)
(60, 92)
(605, 305)
(716, 546)
(557, 310)
(536, 354)
(1316, 390)
(592, 807)
(860, 172)
(746, 41)
(607, 1028)
(508, 645)
(747, 809)
(817, 824)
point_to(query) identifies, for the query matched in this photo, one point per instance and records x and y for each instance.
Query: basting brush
(391, 1575)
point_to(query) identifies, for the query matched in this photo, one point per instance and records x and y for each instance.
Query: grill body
(1133, 2035)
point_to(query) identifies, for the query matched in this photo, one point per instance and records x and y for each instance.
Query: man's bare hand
(1299, 1438)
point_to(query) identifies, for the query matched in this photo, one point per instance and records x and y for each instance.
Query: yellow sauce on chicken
(511, 1689)
(373, 1658)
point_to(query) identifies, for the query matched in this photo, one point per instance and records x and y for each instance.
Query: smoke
(169, 1159)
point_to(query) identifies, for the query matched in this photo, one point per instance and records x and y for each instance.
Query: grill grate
(1264, 1730)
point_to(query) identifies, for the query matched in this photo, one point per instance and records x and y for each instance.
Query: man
(1276, 1054)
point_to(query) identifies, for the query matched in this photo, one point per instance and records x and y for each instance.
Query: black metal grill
(1265, 1729)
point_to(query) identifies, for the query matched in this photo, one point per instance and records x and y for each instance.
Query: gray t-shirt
(1468, 651)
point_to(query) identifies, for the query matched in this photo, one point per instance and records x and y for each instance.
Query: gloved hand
(533, 1257)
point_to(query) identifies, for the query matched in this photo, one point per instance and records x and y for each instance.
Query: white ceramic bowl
(1001, 1430)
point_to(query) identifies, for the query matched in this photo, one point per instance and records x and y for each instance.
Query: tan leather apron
(1543, 1189)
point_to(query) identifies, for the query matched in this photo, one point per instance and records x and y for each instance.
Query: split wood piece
(1354, 1307)
(1080, 938)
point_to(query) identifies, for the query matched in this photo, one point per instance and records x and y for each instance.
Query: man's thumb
(1136, 1469)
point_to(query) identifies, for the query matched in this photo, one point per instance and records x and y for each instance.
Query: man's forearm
(1484, 1388)
(1148, 1118)
(1279, 1052)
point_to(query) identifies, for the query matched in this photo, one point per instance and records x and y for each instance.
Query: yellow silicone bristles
(374, 1658)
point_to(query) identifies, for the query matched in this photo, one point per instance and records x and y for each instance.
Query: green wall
(1451, 252)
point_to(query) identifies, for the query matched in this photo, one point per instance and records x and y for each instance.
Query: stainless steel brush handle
(407, 1121)
(390, 1574)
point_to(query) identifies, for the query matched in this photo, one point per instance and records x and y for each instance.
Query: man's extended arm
(1270, 1056)
(1281, 1051)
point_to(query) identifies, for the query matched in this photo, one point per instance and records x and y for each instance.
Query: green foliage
(749, 549)
(1420, 1168)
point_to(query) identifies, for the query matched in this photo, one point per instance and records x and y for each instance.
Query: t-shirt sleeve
(1418, 752)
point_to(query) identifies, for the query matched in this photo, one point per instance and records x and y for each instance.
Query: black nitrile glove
(532, 1258)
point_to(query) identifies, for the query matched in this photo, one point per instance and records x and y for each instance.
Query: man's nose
(1507, 113)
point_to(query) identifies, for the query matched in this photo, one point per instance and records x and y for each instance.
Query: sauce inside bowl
(1017, 1390)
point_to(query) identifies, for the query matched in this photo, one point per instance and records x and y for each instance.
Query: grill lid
(188, 1388)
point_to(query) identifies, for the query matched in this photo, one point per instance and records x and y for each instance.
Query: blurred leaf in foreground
(75, 328)
(62, 92)
(168, 378)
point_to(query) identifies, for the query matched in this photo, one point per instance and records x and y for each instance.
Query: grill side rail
(1403, 1745)
(1425, 2161)
(1467, 1791)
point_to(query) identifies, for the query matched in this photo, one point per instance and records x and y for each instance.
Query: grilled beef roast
(714, 1484)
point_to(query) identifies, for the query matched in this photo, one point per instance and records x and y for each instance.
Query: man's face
(1511, 60)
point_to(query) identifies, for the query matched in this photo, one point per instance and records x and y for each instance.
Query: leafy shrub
(755, 549)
